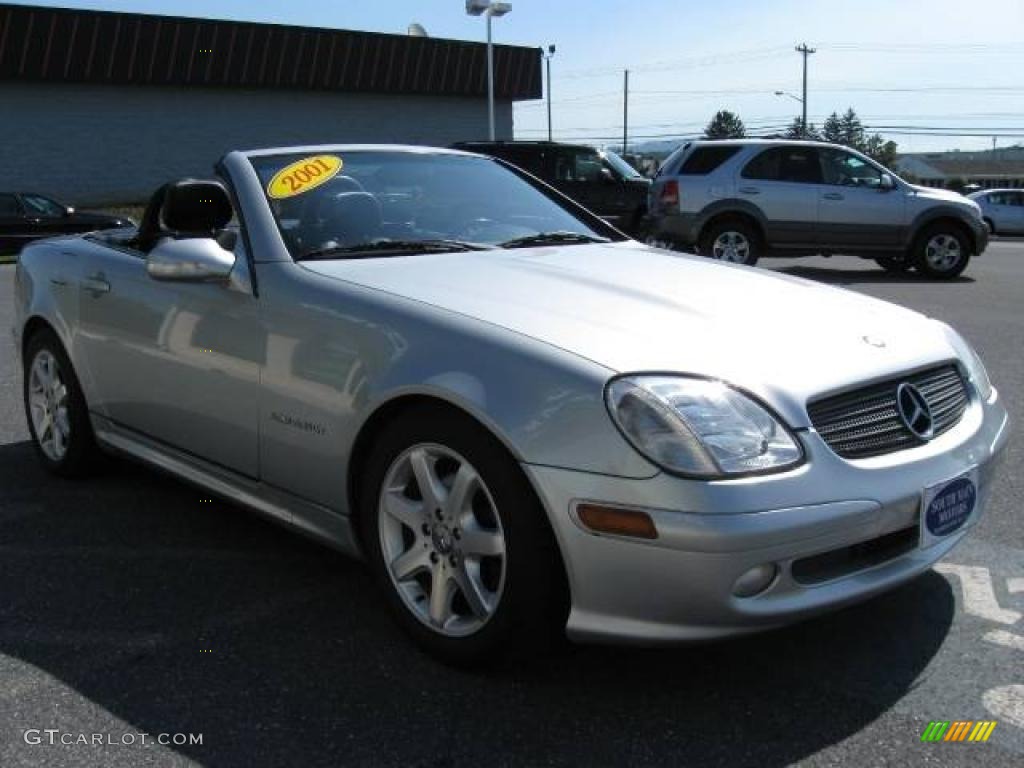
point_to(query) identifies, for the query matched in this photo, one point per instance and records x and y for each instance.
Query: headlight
(976, 371)
(699, 427)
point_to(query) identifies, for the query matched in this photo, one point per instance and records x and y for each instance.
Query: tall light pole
(547, 60)
(625, 110)
(489, 10)
(804, 51)
(803, 124)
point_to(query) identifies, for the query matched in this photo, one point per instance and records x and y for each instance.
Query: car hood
(945, 195)
(632, 308)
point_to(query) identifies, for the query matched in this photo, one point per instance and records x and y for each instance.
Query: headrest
(344, 184)
(351, 208)
(195, 207)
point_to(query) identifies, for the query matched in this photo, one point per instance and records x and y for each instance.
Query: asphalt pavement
(134, 604)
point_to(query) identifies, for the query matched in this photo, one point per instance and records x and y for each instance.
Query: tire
(733, 240)
(941, 251)
(991, 226)
(895, 266)
(55, 408)
(493, 555)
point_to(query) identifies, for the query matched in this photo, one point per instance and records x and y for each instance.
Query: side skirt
(312, 520)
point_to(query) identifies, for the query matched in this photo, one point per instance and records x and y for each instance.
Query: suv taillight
(669, 197)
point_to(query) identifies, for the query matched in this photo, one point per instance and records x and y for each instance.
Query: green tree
(725, 125)
(851, 130)
(796, 130)
(832, 130)
(848, 130)
(880, 150)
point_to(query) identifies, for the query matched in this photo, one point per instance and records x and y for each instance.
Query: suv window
(530, 160)
(581, 165)
(797, 164)
(847, 170)
(703, 160)
(9, 205)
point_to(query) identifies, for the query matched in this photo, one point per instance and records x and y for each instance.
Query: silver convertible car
(522, 420)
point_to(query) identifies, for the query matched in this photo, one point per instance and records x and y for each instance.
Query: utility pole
(625, 110)
(547, 59)
(803, 50)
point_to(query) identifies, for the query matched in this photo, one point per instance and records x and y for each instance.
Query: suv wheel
(660, 241)
(941, 251)
(732, 240)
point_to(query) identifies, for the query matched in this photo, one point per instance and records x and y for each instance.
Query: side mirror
(607, 176)
(192, 260)
(887, 183)
(68, 211)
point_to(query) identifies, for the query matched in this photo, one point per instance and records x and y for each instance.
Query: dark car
(600, 181)
(26, 216)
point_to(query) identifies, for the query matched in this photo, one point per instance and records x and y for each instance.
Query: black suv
(600, 181)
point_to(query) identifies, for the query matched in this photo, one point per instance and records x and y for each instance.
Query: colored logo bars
(958, 730)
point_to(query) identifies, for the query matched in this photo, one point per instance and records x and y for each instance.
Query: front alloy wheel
(458, 539)
(942, 253)
(442, 539)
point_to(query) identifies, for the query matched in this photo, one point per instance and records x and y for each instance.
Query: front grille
(865, 422)
(842, 562)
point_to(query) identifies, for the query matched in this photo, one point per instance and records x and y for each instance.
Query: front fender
(935, 213)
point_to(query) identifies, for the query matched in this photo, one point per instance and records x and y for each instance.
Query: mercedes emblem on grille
(914, 411)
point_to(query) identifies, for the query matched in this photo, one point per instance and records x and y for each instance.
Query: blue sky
(912, 63)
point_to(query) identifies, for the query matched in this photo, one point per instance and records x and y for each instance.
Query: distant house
(986, 169)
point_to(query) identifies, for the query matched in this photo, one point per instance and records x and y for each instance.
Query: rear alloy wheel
(734, 241)
(896, 266)
(459, 541)
(942, 252)
(55, 408)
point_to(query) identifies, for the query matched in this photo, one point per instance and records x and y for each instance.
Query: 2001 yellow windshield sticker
(303, 175)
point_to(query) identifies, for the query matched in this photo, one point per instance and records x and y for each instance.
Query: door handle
(833, 196)
(96, 284)
(750, 190)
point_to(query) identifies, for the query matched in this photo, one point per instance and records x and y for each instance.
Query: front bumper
(981, 237)
(680, 586)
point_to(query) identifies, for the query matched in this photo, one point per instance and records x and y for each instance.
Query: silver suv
(738, 200)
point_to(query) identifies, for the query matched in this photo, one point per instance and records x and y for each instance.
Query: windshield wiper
(395, 247)
(546, 238)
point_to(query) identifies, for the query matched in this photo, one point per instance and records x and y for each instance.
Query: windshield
(366, 203)
(625, 169)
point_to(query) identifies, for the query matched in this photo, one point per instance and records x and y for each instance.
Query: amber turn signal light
(617, 521)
